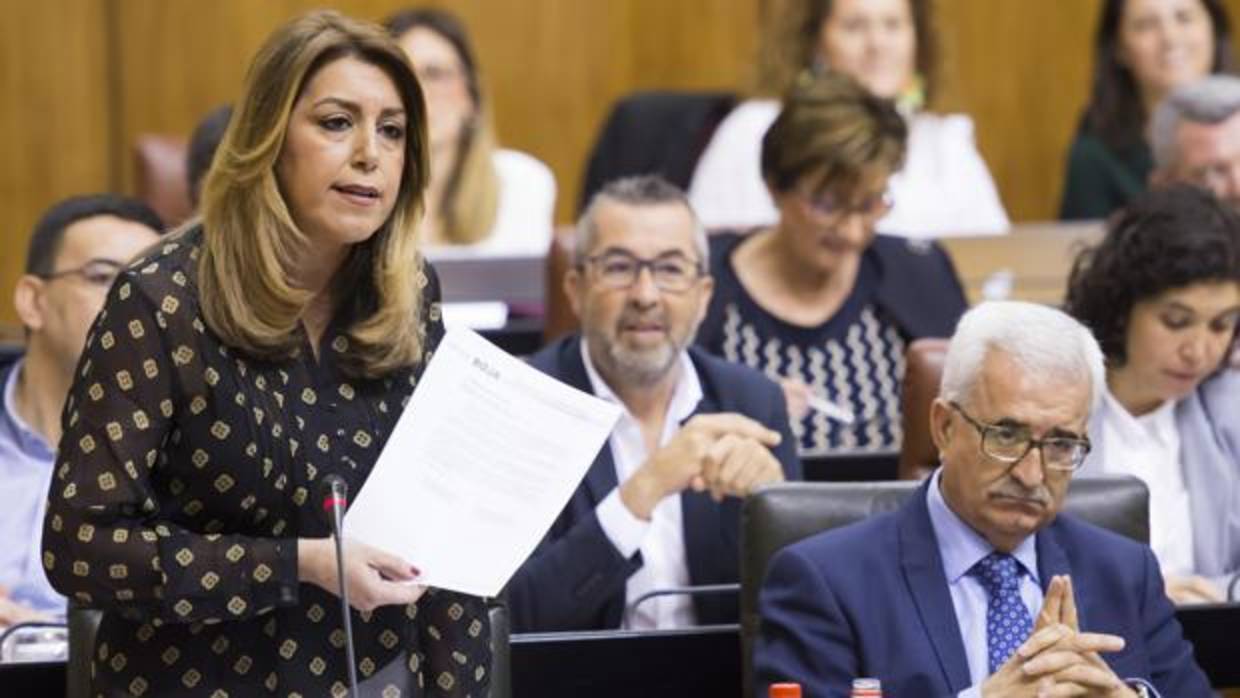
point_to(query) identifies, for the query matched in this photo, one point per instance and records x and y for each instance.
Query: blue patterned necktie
(1008, 623)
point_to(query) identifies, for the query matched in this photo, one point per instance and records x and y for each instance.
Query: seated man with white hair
(1195, 137)
(977, 586)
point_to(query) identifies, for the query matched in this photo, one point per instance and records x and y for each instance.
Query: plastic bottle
(867, 688)
(785, 690)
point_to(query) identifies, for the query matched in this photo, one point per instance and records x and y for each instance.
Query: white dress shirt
(944, 187)
(1148, 448)
(661, 540)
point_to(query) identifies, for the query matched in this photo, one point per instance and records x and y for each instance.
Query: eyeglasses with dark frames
(1010, 443)
(672, 272)
(97, 272)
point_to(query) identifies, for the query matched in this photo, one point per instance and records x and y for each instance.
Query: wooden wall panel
(55, 117)
(1022, 71)
(78, 93)
(553, 67)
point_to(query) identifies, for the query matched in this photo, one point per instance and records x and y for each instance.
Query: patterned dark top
(855, 359)
(187, 472)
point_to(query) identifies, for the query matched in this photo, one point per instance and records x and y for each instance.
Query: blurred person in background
(1161, 293)
(942, 187)
(1195, 137)
(818, 301)
(660, 507)
(76, 251)
(1143, 49)
(482, 199)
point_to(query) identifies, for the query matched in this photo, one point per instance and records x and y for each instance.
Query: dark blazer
(871, 599)
(575, 580)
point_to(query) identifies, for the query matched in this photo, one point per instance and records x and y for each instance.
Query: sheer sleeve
(454, 633)
(106, 541)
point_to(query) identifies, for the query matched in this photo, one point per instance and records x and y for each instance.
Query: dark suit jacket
(871, 599)
(576, 578)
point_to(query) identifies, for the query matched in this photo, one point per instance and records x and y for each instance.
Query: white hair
(1041, 339)
(1211, 100)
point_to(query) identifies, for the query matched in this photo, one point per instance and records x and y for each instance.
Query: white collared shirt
(1148, 448)
(661, 540)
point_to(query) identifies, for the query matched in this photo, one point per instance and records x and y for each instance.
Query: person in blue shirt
(978, 586)
(76, 251)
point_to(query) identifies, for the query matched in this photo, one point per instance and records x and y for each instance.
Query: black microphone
(335, 499)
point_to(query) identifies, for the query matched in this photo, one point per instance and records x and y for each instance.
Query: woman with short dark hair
(1161, 293)
(818, 301)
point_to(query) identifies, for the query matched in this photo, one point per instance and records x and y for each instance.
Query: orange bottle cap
(785, 690)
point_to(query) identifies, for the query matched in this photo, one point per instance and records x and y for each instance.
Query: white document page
(484, 457)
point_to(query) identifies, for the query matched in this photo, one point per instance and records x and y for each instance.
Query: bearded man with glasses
(978, 586)
(659, 508)
(76, 251)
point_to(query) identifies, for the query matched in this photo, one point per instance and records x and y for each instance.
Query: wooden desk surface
(1030, 263)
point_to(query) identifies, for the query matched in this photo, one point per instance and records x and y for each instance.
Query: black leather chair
(501, 656)
(783, 514)
(654, 133)
(84, 622)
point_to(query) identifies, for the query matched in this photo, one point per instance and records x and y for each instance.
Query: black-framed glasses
(1010, 443)
(672, 272)
(97, 272)
(871, 208)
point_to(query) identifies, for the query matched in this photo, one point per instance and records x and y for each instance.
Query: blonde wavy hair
(471, 196)
(250, 242)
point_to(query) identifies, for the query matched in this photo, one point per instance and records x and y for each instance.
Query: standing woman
(481, 198)
(942, 187)
(1161, 292)
(1143, 49)
(235, 366)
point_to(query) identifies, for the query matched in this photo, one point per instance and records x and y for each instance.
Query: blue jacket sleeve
(1173, 670)
(804, 635)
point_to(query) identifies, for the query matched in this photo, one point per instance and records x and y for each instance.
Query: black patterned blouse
(185, 476)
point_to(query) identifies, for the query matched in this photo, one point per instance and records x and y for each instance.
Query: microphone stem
(344, 601)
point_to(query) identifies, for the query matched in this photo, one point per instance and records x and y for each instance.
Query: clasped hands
(1058, 659)
(726, 454)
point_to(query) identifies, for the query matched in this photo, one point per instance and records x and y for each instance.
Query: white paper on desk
(484, 458)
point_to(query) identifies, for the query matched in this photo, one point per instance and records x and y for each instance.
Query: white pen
(832, 410)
